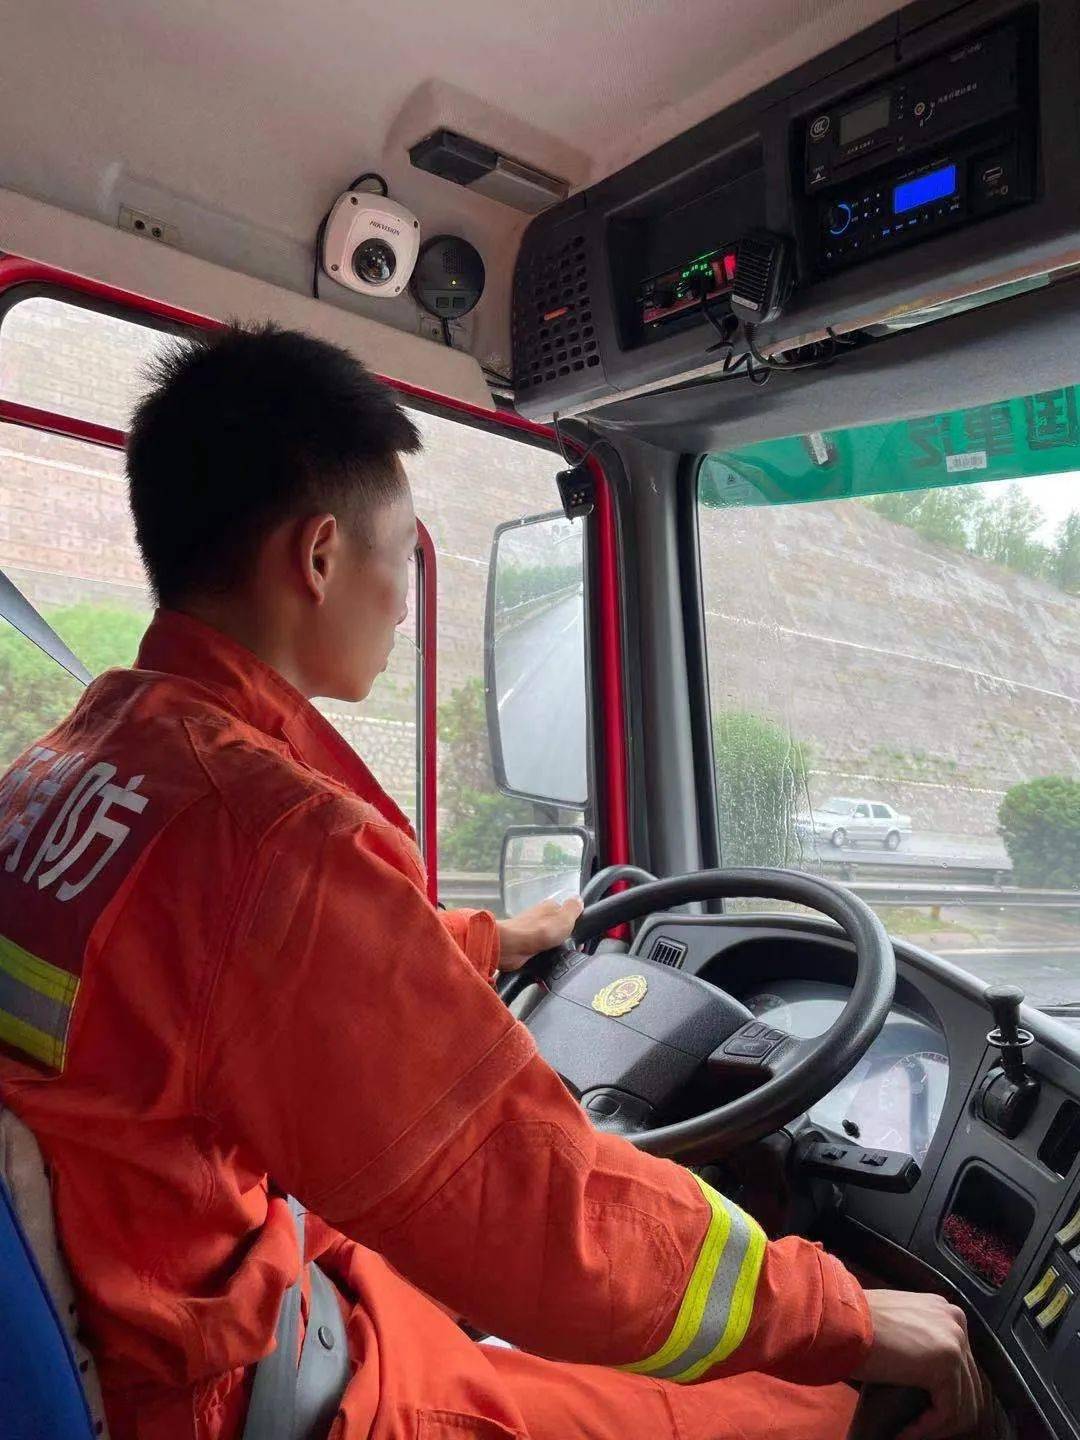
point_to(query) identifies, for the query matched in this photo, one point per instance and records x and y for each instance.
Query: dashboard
(895, 1096)
(916, 1090)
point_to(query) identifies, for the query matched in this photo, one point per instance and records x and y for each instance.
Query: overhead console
(928, 161)
(947, 142)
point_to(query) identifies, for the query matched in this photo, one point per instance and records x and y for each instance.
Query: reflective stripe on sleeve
(719, 1300)
(36, 1000)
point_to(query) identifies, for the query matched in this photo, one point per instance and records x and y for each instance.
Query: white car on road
(843, 822)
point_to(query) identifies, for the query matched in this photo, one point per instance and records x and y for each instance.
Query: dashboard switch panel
(888, 1170)
(1048, 1317)
(1041, 1289)
(1069, 1233)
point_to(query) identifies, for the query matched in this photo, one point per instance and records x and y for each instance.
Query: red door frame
(16, 271)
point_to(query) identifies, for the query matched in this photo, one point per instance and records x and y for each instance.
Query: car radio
(687, 288)
(943, 144)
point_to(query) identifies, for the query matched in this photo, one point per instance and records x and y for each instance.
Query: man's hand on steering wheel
(541, 927)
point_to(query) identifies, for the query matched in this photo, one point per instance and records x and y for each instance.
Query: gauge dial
(777, 1009)
(910, 1098)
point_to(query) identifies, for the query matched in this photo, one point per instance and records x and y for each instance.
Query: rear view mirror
(535, 642)
(542, 863)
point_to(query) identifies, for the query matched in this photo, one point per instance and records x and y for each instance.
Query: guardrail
(852, 871)
(900, 892)
(459, 890)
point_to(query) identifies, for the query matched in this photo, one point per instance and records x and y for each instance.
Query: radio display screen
(924, 189)
(865, 120)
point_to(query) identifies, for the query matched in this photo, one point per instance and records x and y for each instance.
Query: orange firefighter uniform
(218, 970)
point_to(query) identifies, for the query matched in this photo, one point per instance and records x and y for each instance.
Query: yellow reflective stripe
(36, 1000)
(688, 1320)
(32, 1041)
(742, 1309)
(38, 974)
(719, 1298)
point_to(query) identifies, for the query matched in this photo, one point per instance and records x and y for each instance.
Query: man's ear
(319, 542)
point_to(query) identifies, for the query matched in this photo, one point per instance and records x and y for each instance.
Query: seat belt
(272, 1408)
(290, 1402)
(18, 611)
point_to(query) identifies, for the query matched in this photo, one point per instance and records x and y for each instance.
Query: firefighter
(221, 983)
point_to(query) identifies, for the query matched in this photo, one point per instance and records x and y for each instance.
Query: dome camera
(370, 244)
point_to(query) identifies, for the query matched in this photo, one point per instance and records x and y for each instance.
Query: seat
(43, 1367)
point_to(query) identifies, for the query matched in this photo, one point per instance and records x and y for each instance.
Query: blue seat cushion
(41, 1395)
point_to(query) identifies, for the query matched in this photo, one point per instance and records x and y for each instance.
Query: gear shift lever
(1008, 1092)
(1004, 1002)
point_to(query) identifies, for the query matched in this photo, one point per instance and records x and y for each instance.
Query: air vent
(667, 952)
(554, 333)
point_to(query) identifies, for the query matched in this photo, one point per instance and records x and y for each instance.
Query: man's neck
(251, 627)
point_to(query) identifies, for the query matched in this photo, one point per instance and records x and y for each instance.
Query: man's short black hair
(242, 428)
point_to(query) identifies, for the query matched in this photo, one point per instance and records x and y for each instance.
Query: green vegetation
(477, 815)
(760, 783)
(1040, 824)
(914, 922)
(518, 584)
(35, 694)
(1002, 526)
(558, 858)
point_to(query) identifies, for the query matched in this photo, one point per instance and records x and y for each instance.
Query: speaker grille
(554, 334)
(753, 271)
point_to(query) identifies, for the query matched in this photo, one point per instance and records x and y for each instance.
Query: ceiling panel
(243, 120)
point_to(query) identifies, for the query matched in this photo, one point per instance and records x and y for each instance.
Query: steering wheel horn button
(617, 1110)
(621, 996)
(754, 1042)
(602, 1104)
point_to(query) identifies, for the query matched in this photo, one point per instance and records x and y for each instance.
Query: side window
(882, 812)
(466, 483)
(66, 537)
(862, 812)
(67, 541)
(76, 361)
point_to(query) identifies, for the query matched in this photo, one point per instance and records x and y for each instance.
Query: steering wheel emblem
(621, 996)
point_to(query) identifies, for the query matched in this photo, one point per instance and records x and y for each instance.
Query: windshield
(893, 623)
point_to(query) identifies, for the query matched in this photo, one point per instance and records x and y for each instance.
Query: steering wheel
(629, 1035)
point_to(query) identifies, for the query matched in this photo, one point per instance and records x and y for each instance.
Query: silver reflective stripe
(36, 1000)
(718, 1303)
(41, 1011)
(722, 1295)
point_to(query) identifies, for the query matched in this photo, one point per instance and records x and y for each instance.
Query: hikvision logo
(390, 229)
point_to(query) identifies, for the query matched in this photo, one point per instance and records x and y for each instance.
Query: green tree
(1065, 563)
(1003, 529)
(760, 780)
(946, 515)
(1040, 824)
(517, 584)
(1005, 533)
(477, 814)
(35, 693)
